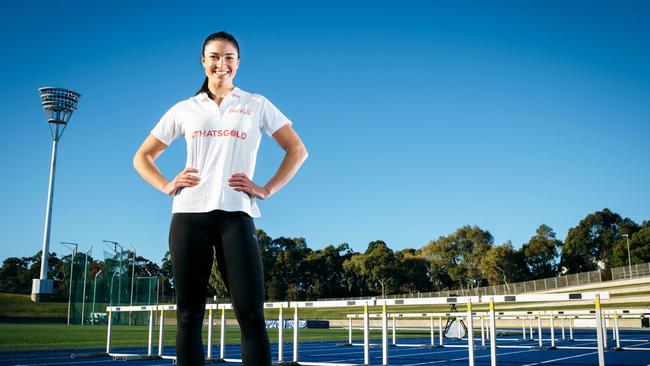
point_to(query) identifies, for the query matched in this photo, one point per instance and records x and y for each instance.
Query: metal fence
(576, 279)
(633, 271)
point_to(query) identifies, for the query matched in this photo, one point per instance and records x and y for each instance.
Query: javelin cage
(485, 319)
(116, 284)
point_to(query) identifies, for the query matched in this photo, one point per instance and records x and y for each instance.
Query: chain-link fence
(635, 270)
(576, 279)
(584, 278)
(91, 290)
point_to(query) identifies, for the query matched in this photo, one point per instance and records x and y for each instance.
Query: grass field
(15, 305)
(18, 337)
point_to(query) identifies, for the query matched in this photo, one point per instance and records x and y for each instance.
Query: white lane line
(561, 359)
(85, 362)
(570, 357)
(463, 358)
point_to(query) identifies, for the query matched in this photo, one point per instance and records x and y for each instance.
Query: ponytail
(204, 89)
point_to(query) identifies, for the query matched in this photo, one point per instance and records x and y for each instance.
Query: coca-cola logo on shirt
(240, 110)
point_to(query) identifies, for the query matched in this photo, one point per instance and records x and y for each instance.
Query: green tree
(356, 280)
(216, 286)
(380, 268)
(541, 252)
(589, 245)
(324, 271)
(167, 274)
(413, 271)
(287, 280)
(639, 247)
(15, 276)
(503, 264)
(454, 259)
(268, 251)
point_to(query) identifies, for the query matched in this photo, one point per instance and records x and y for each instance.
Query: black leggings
(193, 238)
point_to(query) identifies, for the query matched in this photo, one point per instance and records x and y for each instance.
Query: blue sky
(420, 117)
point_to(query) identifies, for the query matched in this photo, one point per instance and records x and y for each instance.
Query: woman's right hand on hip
(182, 180)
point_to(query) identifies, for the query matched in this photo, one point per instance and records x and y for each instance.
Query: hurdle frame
(599, 314)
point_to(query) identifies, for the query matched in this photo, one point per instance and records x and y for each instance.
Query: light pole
(150, 277)
(83, 298)
(629, 258)
(92, 316)
(58, 104)
(73, 246)
(119, 281)
(111, 292)
(132, 277)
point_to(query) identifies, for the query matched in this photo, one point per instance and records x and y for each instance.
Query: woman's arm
(143, 162)
(295, 155)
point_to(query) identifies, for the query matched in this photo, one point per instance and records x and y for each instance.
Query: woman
(214, 197)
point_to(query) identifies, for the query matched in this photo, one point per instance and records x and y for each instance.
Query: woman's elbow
(138, 159)
(302, 152)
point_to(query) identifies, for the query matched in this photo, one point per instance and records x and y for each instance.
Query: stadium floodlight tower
(58, 104)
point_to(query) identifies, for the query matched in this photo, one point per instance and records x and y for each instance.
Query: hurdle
(488, 331)
(430, 344)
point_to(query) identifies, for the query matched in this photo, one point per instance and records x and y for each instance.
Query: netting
(92, 290)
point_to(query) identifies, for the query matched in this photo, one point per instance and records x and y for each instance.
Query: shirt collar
(235, 92)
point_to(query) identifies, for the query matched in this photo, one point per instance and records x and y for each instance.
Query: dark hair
(219, 36)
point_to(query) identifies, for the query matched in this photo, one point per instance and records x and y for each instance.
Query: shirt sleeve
(271, 118)
(169, 127)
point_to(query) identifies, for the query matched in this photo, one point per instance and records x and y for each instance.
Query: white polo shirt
(221, 141)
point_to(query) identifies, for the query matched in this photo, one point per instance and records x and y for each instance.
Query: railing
(544, 284)
(633, 271)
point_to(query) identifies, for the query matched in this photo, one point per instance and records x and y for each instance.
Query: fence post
(210, 333)
(150, 337)
(394, 326)
(539, 330)
(482, 331)
(366, 336)
(600, 276)
(350, 331)
(470, 333)
(618, 335)
(599, 333)
(440, 331)
(433, 338)
(281, 333)
(552, 332)
(384, 335)
(110, 328)
(295, 334)
(493, 335)
(222, 335)
(160, 332)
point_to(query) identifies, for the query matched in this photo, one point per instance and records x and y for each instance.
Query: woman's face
(220, 60)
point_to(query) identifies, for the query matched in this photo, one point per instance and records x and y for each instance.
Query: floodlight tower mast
(58, 104)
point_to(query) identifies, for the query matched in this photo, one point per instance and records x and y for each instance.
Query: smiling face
(220, 60)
